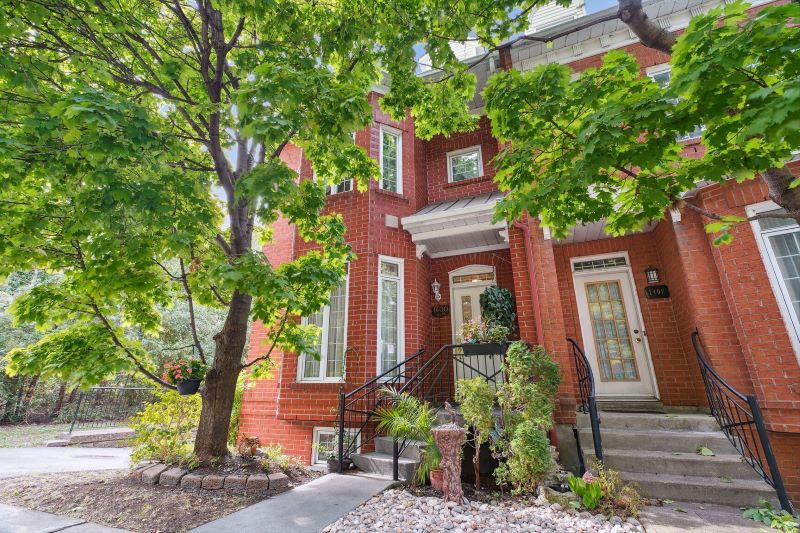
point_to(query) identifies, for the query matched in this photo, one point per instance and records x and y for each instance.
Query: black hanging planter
(187, 387)
(482, 348)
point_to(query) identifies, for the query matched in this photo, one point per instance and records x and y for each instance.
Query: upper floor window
(662, 77)
(391, 160)
(464, 164)
(332, 343)
(344, 185)
(778, 241)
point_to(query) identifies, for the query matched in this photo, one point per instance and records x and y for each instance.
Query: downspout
(526, 234)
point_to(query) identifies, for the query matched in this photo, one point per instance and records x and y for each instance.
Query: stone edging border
(161, 474)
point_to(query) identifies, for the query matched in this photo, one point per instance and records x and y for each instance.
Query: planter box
(482, 348)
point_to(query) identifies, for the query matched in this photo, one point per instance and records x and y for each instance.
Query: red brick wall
(436, 163)
(676, 373)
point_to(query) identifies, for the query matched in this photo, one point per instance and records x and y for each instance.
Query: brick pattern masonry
(166, 476)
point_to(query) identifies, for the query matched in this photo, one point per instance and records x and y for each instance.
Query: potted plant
(483, 338)
(406, 417)
(185, 374)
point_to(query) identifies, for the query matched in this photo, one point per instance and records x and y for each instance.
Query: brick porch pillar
(548, 311)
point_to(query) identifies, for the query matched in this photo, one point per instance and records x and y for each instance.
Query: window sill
(391, 194)
(319, 381)
(454, 184)
(343, 194)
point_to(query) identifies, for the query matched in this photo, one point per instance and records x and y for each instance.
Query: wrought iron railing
(588, 402)
(741, 420)
(430, 379)
(109, 406)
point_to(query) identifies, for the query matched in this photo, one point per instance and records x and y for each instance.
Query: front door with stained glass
(613, 337)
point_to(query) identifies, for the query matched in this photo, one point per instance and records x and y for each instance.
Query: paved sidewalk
(305, 509)
(680, 517)
(20, 520)
(16, 462)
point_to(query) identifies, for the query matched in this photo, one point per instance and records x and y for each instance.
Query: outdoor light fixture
(652, 274)
(436, 286)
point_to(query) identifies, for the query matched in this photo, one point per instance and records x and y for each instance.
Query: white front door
(613, 336)
(466, 307)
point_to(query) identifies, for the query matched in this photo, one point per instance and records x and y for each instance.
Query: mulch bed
(114, 499)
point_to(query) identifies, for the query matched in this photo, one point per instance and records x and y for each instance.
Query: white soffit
(595, 231)
(457, 227)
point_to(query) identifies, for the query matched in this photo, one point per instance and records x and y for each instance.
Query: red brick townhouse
(427, 222)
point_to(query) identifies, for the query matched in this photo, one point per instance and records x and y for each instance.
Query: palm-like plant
(405, 417)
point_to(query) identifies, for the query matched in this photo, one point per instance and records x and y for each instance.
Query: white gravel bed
(397, 510)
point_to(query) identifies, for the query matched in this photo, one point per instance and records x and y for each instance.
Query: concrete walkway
(680, 517)
(16, 462)
(19, 520)
(307, 508)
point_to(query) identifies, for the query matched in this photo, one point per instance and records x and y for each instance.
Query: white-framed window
(390, 313)
(325, 443)
(464, 164)
(332, 320)
(391, 160)
(778, 242)
(662, 75)
(343, 186)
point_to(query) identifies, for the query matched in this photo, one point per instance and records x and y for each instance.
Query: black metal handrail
(740, 419)
(357, 407)
(431, 380)
(109, 405)
(588, 401)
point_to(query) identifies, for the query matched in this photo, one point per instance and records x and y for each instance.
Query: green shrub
(765, 514)
(527, 399)
(164, 429)
(497, 307)
(618, 497)
(475, 398)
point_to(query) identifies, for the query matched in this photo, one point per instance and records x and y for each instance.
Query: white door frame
(633, 308)
(463, 271)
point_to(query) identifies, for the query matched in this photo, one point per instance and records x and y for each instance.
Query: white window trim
(623, 268)
(324, 341)
(779, 290)
(465, 151)
(401, 341)
(661, 69)
(334, 189)
(399, 134)
(315, 458)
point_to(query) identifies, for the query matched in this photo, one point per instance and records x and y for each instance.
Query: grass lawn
(29, 435)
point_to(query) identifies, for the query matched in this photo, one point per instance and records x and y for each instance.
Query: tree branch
(271, 348)
(190, 303)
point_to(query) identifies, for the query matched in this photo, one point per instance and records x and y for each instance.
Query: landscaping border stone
(151, 473)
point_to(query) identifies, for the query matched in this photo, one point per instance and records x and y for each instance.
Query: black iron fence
(588, 402)
(110, 405)
(743, 424)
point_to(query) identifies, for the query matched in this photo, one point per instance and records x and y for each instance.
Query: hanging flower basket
(185, 374)
(187, 387)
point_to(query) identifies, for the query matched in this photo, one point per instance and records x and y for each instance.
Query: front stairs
(658, 453)
(380, 461)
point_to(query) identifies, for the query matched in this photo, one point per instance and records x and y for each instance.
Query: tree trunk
(649, 33)
(60, 402)
(220, 382)
(476, 465)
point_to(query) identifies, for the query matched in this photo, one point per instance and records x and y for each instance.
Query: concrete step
(411, 451)
(736, 493)
(722, 467)
(381, 464)
(658, 441)
(644, 421)
(629, 406)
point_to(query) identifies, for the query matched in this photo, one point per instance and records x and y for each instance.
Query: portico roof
(455, 227)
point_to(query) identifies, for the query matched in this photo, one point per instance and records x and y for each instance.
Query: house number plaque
(655, 292)
(441, 310)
